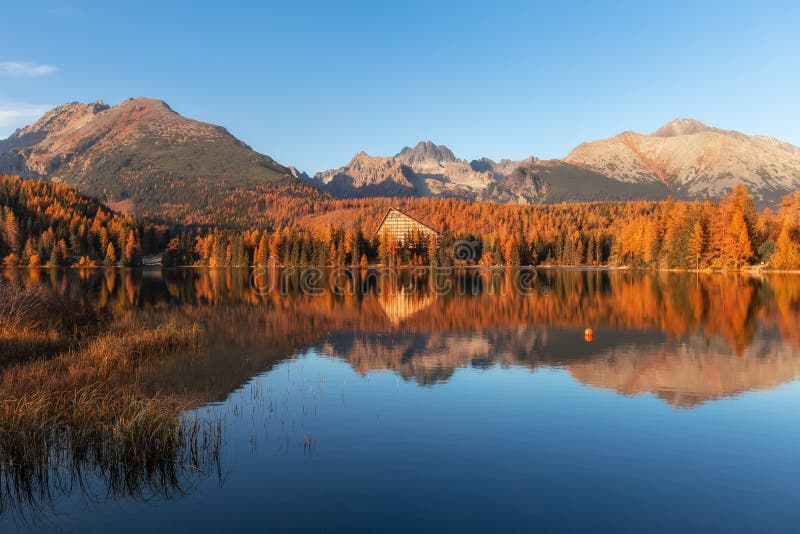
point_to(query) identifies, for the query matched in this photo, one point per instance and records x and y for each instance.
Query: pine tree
(386, 248)
(355, 248)
(172, 255)
(741, 200)
(737, 247)
(104, 240)
(29, 251)
(261, 258)
(11, 233)
(694, 246)
(111, 255)
(787, 248)
(275, 246)
(130, 254)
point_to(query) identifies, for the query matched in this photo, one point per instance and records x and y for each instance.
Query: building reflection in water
(686, 338)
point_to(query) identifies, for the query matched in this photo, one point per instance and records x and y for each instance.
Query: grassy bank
(71, 409)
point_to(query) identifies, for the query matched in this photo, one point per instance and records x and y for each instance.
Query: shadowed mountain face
(693, 159)
(555, 181)
(138, 156)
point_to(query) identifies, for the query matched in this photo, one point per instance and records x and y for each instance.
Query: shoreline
(751, 270)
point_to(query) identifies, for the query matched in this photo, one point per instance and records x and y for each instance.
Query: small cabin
(400, 226)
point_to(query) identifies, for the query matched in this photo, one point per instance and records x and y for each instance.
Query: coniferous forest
(52, 224)
(668, 234)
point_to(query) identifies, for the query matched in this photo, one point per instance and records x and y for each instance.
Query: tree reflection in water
(686, 338)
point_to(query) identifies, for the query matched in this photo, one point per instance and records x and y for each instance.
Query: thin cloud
(17, 114)
(23, 68)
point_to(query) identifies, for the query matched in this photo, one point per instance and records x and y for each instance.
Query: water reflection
(318, 387)
(687, 338)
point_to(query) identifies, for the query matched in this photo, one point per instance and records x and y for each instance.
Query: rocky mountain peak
(65, 115)
(144, 103)
(426, 153)
(681, 127)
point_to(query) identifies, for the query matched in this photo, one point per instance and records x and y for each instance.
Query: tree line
(51, 224)
(669, 234)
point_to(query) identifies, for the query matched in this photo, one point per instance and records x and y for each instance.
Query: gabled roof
(390, 210)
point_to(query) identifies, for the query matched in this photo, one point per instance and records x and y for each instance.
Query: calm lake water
(377, 408)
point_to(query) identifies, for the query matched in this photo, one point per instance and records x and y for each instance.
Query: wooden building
(400, 226)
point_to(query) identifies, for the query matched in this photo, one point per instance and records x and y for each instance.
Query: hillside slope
(142, 157)
(43, 223)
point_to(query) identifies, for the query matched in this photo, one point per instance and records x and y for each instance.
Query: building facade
(400, 227)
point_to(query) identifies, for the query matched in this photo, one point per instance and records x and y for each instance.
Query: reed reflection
(687, 338)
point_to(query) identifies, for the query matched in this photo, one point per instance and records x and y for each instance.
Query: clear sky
(312, 83)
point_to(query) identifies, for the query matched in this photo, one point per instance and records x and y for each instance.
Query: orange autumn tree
(787, 248)
(734, 232)
(736, 247)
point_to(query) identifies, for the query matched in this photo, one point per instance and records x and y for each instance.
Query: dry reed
(79, 419)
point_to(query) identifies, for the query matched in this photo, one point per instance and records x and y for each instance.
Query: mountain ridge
(143, 157)
(431, 170)
(694, 160)
(140, 154)
(684, 158)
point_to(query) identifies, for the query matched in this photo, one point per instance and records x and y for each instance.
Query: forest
(729, 234)
(52, 224)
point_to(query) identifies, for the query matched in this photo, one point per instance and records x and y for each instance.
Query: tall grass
(34, 322)
(111, 358)
(108, 444)
(24, 307)
(78, 419)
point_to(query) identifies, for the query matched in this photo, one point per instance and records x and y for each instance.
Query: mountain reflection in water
(686, 338)
(324, 408)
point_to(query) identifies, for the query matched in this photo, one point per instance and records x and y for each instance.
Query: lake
(570, 400)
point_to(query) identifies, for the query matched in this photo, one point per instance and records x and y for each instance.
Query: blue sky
(312, 83)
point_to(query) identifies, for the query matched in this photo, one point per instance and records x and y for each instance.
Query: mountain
(430, 170)
(140, 156)
(693, 160)
(143, 158)
(426, 154)
(683, 159)
(368, 176)
(425, 170)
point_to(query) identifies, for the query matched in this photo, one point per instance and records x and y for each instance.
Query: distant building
(401, 226)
